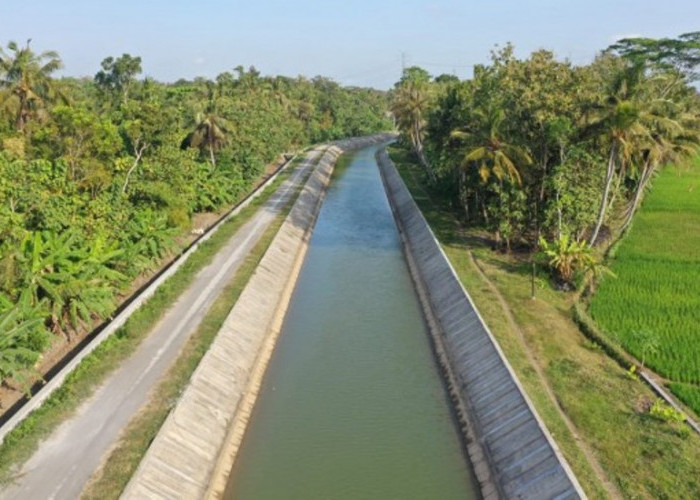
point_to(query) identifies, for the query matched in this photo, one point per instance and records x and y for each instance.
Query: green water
(352, 405)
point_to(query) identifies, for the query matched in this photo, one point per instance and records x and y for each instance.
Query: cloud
(199, 60)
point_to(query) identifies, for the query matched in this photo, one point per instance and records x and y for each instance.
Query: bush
(666, 413)
(566, 257)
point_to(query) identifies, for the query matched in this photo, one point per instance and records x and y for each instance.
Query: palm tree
(486, 148)
(28, 77)
(672, 140)
(642, 126)
(210, 130)
(209, 134)
(621, 122)
(409, 107)
(649, 158)
(486, 153)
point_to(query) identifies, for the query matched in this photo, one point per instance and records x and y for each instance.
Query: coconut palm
(674, 138)
(487, 150)
(644, 129)
(621, 122)
(409, 107)
(209, 134)
(27, 76)
(210, 131)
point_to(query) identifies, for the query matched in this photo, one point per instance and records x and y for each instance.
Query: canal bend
(353, 405)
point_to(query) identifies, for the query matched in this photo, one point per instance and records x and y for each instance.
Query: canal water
(352, 405)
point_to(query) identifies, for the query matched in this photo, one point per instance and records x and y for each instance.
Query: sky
(358, 42)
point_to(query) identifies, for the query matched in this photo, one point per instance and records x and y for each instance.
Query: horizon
(354, 45)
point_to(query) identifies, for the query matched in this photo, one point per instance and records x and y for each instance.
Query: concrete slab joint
(513, 453)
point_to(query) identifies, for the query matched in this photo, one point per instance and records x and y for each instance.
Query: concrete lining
(195, 448)
(501, 426)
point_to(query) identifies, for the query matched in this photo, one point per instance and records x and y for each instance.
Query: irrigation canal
(353, 405)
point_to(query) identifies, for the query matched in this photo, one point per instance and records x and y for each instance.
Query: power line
(383, 69)
(389, 67)
(404, 63)
(419, 63)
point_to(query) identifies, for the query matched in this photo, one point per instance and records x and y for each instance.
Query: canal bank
(353, 405)
(181, 460)
(516, 456)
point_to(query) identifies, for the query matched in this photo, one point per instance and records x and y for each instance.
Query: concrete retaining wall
(504, 431)
(194, 450)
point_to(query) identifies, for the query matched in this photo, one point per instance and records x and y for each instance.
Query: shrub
(661, 411)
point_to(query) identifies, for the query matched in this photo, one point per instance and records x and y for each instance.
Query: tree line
(548, 155)
(98, 176)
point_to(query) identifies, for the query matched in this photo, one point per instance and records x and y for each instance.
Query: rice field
(690, 394)
(653, 306)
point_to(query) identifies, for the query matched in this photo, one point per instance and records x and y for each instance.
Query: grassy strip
(590, 329)
(122, 462)
(446, 230)
(643, 457)
(21, 443)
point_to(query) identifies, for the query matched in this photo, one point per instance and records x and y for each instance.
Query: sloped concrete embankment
(194, 451)
(513, 453)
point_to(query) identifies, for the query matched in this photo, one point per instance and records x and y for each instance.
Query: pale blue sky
(355, 43)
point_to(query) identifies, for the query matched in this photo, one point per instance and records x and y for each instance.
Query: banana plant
(566, 256)
(22, 338)
(76, 281)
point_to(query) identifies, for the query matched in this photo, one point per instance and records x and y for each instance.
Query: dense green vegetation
(614, 445)
(542, 148)
(554, 161)
(19, 444)
(98, 177)
(653, 306)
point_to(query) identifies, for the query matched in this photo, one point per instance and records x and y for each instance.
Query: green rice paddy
(652, 307)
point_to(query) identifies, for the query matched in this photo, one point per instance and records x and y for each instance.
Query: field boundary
(646, 316)
(590, 328)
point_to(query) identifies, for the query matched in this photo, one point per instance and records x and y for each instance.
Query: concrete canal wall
(194, 450)
(513, 453)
